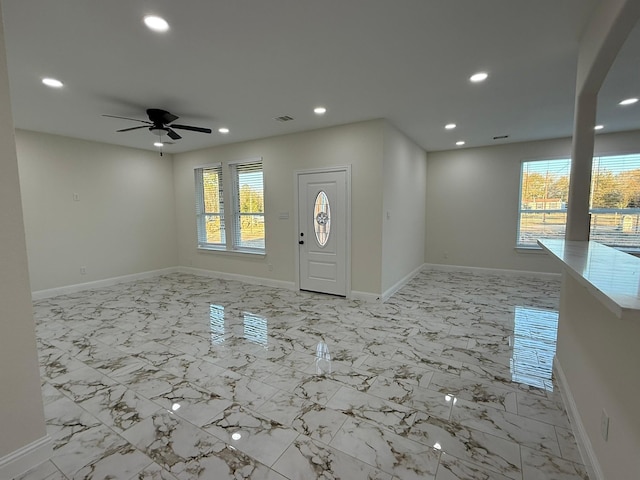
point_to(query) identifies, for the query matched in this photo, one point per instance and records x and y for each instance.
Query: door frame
(296, 223)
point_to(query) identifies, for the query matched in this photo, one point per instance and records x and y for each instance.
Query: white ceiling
(240, 63)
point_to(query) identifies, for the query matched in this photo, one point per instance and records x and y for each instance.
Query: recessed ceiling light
(319, 110)
(52, 82)
(479, 77)
(628, 101)
(158, 144)
(598, 127)
(450, 126)
(223, 130)
(460, 143)
(155, 23)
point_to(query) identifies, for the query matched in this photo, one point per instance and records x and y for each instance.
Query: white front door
(323, 232)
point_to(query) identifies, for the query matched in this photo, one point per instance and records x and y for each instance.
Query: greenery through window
(210, 207)
(614, 203)
(248, 206)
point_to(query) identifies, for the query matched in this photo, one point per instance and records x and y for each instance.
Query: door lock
(301, 242)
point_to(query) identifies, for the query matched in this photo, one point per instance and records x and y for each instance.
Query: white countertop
(611, 275)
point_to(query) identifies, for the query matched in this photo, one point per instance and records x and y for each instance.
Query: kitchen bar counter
(612, 276)
(597, 355)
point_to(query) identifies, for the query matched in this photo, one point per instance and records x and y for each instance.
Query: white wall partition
(359, 145)
(472, 201)
(23, 441)
(135, 210)
(404, 186)
(104, 210)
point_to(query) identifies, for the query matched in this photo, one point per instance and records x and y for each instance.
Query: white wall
(598, 355)
(472, 201)
(21, 412)
(358, 145)
(124, 222)
(404, 206)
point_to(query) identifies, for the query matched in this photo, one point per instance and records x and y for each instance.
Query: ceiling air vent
(284, 118)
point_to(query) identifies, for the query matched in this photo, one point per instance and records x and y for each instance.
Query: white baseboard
(364, 296)
(498, 271)
(107, 282)
(26, 458)
(386, 295)
(584, 443)
(266, 282)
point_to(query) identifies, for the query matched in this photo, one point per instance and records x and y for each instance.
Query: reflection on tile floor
(184, 377)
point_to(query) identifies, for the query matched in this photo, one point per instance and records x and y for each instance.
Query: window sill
(531, 249)
(241, 253)
(631, 251)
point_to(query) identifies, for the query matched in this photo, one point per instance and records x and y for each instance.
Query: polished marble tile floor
(185, 377)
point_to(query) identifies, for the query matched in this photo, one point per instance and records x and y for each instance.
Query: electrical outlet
(83, 270)
(445, 254)
(270, 267)
(604, 425)
(76, 197)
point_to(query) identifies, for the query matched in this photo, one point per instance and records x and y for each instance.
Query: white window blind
(614, 201)
(544, 190)
(210, 207)
(248, 208)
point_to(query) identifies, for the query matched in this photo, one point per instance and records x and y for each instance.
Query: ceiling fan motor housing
(160, 117)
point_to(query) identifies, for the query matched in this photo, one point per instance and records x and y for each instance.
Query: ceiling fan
(159, 123)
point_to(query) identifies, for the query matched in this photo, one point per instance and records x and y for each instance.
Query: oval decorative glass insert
(322, 218)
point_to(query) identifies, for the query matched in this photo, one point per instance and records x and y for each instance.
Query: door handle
(301, 242)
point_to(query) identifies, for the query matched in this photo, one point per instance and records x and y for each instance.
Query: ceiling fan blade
(173, 135)
(193, 129)
(127, 118)
(169, 117)
(132, 128)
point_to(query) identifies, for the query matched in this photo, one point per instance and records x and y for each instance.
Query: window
(322, 218)
(210, 207)
(614, 202)
(246, 221)
(248, 206)
(544, 189)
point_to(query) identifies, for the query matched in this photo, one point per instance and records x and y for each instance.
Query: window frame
(619, 161)
(201, 213)
(521, 210)
(617, 241)
(235, 222)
